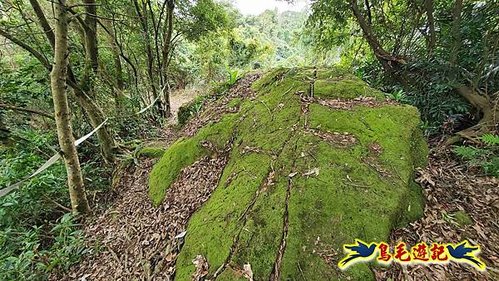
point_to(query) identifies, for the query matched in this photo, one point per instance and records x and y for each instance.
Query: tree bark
(429, 8)
(58, 79)
(456, 32)
(49, 33)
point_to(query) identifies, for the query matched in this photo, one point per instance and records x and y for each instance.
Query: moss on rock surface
(151, 152)
(302, 179)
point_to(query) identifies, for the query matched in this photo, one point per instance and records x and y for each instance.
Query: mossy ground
(356, 194)
(151, 152)
(462, 218)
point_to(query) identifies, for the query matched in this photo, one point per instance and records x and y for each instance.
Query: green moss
(190, 109)
(151, 152)
(235, 102)
(462, 218)
(212, 230)
(181, 154)
(355, 195)
(346, 87)
(184, 153)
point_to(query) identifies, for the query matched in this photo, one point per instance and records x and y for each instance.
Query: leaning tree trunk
(58, 78)
(390, 63)
(490, 116)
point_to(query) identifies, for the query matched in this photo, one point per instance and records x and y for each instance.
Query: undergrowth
(485, 157)
(38, 235)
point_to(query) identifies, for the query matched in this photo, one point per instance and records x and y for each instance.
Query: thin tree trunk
(58, 78)
(150, 59)
(49, 33)
(120, 84)
(167, 50)
(429, 8)
(91, 44)
(92, 110)
(456, 32)
(96, 117)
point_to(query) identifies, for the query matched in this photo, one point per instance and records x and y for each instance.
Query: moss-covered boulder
(305, 175)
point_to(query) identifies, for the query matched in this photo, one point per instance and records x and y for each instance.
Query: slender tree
(58, 81)
(84, 89)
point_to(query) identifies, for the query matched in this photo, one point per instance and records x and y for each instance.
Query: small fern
(490, 139)
(486, 157)
(468, 152)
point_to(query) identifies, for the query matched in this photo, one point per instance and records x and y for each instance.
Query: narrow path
(180, 98)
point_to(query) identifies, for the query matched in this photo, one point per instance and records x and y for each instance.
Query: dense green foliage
(37, 235)
(432, 48)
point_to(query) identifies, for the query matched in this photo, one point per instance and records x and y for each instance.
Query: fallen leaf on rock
(181, 235)
(202, 266)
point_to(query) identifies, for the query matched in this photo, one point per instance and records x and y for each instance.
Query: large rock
(304, 176)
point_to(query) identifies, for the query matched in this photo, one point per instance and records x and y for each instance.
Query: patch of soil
(341, 140)
(449, 188)
(180, 98)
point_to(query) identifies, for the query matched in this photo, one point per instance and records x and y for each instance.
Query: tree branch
(21, 109)
(26, 47)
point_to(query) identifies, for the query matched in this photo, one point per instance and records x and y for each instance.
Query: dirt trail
(134, 240)
(180, 98)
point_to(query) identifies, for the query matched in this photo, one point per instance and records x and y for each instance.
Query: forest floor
(133, 240)
(451, 188)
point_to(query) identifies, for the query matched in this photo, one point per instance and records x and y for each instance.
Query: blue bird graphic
(360, 250)
(464, 251)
